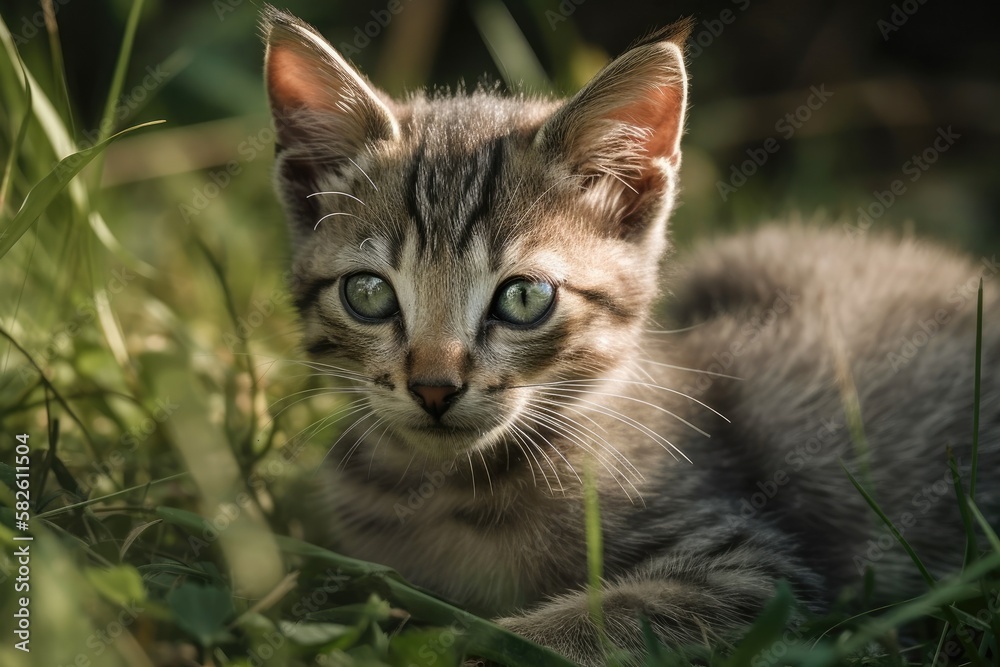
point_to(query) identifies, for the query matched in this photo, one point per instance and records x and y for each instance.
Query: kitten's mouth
(446, 441)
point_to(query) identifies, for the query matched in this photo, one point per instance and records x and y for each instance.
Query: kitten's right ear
(321, 105)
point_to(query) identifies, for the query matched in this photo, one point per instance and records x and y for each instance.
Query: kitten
(482, 270)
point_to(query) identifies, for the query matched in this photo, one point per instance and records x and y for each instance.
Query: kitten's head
(455, 252)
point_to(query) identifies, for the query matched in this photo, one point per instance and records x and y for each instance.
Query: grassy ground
(150, 372)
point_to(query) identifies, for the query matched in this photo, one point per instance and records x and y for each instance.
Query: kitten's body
(465, 473)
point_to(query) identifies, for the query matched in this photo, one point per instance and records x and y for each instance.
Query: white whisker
(692, 370)
(363, 172)
(330, 215)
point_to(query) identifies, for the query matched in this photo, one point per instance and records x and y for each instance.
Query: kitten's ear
(624, 128)
(319, 102)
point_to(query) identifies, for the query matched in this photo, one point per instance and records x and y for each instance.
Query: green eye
(523, 302)
(369, 297)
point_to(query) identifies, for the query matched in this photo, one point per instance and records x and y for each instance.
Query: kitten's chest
(490, 555)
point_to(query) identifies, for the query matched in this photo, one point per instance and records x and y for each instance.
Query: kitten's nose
(435, 398)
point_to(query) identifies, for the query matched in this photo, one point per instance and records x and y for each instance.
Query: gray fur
(449, 196)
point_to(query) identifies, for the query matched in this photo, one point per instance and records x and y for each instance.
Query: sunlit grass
(148, 352)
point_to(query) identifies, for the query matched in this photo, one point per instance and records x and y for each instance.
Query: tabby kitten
(482, 268)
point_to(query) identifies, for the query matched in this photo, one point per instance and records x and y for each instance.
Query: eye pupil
(523, 302)
(369, 297)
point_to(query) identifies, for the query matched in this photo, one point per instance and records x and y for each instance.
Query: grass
(148, 366)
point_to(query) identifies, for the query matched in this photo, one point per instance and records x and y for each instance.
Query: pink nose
(434, 398)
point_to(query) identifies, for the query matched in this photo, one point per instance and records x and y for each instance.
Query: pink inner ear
(661, 112)
(293, 83)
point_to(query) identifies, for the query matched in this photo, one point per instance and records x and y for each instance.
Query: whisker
(564, 428)
(330, 215)
(599, 381)
(561, 429)
(625, 419)
(358, 442)
(363, 172)
(692, 370)
(472, 474)
(337, 193)
(517, 434)
(489, 480)
(531, 447)
(673, 331)
(577, 425)
(572, 390)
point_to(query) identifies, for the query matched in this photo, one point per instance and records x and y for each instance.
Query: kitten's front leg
(689, 598)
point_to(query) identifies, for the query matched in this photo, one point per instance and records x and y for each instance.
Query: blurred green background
(893, 86)
(151, 294)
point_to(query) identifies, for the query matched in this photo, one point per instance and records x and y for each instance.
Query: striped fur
(448, 197)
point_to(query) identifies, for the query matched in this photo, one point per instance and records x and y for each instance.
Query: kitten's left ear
(626, 124)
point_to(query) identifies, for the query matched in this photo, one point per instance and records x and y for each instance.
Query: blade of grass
(62, 401)
(58, 68)
(509, 48)
(244, 347)
(976, 392)
(487, 639)
(892, 528)
(766, 629)
(945, 611)
(15, 148)
(5, 189)
(991, 535)
(42, 194)
(963, 587)
(117, 81)
(93, 501)
(595, 550)
(971, 548)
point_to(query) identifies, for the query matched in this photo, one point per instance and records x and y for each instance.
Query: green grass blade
(509, 48)
(892, 528)
(767, 629)
(117, 81)
(15, 149)
(487, 640)
(964, 587)
(121, 68)
(971, 548)
(976, 392)
(991, 535)
(46, 190)
(94, 501)
(595, 549)
(58, 63)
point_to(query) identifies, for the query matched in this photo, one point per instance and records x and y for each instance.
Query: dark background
(893, 87)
